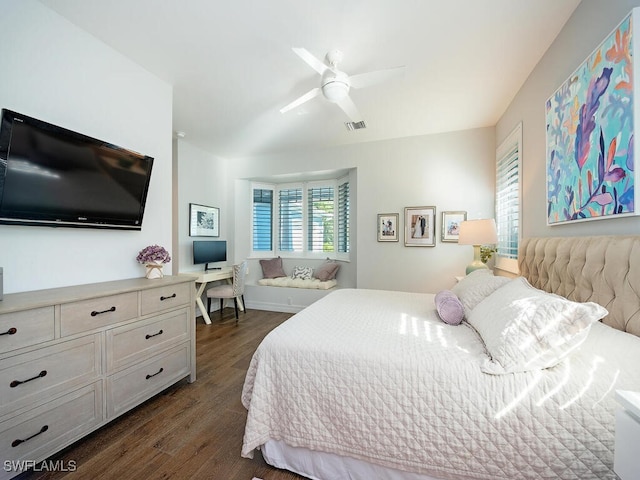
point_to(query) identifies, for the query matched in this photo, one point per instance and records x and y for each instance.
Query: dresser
(74, 358)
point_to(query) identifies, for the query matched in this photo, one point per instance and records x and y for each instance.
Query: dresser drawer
(25, 328)
(97, 312)
(135, 342)
(35, 434)
(164, 298)
(35, 377)
(134, 385)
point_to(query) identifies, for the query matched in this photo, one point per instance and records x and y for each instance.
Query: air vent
(355, 125)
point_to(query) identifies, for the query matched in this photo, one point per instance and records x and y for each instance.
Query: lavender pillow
(327, 271)
(272, 268)
(449, 307)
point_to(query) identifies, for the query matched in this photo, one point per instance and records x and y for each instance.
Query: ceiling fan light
(335, 91)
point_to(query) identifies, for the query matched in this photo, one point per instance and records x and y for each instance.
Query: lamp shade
(478, 232)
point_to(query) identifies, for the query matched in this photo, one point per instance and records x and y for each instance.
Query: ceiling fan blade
(362, 80)
(348, 107)
(299, 101)
(312, 61)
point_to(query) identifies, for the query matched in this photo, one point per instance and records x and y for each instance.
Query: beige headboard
(602, 269)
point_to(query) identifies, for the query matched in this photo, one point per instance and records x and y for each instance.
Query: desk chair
(235, 290)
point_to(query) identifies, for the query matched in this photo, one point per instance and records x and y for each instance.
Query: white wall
(201, 179)
(56, 72)
(592, 21)
(453, 171)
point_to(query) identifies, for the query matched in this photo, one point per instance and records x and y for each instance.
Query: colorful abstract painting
(590, 130)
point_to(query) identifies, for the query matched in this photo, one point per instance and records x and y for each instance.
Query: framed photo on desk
(204, 221)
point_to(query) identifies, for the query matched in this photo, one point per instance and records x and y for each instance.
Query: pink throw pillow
(272, 268)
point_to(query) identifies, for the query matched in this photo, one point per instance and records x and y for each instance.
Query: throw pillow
(477, 286)
(303, 273)
(327, 271)
(272, 268)
(524, 328)
(449, 307)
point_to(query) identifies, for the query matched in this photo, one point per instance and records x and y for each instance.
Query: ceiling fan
(335, 84)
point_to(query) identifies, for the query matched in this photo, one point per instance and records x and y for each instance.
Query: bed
(373, 384)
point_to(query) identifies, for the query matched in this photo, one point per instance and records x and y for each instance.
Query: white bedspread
(377, 376)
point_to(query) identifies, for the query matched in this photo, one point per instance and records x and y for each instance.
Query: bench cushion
(298, 283)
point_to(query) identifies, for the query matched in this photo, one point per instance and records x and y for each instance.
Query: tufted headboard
(601, 269)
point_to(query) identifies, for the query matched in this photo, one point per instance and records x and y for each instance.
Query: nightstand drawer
(25, 328)
(98, 312)
(132, 386)
(33, 378)
(164, 298)
(36, 433)
(131, 343)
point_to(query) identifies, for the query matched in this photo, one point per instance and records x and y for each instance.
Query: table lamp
(477, 233)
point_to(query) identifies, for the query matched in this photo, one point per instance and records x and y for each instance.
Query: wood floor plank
(189, 430)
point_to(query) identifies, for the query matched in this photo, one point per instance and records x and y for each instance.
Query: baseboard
(274, 307)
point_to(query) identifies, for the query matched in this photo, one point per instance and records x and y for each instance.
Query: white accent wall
(592, 22)
(58, 73)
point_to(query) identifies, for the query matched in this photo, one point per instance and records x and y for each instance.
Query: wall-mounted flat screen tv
(51, 176)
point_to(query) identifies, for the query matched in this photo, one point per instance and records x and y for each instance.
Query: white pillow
(477, 286)
(303, 273)
(524, 328)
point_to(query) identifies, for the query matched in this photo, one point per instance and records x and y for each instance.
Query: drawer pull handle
(147, 336)
(157, 373)
(94, 313)
(11, 331)
(167, 298)
(18, 441)
(15, 383)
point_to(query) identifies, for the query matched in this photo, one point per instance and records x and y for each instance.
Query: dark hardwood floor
(189, 430)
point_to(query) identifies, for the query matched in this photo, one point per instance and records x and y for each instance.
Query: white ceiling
(232, 68)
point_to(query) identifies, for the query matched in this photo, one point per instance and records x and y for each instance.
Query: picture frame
(424, 234)
(204, 221)
(388, 227)
(450, 227)
(590, 129)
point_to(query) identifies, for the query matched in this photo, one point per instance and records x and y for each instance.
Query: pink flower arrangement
(153, 254)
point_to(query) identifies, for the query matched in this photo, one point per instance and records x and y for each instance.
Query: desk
(225, 273)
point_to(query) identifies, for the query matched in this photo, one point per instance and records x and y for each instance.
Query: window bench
(311, 283)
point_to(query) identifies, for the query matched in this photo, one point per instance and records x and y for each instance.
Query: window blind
(343, 217)
(262, 220)
(320, 218)
(508, 201)
(290, 219)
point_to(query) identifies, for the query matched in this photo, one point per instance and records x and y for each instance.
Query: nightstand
(626, 463)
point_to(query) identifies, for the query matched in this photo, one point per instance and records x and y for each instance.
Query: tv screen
(209, 251)
(52, 176)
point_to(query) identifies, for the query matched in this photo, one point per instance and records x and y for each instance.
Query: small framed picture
(204, 221)
(388, 227)
(451, 226)
(420, 226)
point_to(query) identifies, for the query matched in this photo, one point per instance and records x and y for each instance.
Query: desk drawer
(98, 312)
(35, 434)
(137, 341)
(134, 385)
(25, 328)
(33, 378)
(164, 298)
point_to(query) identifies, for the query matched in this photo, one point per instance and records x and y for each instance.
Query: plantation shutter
(320, 218)
(290, 219)
(343, 217)
(508, 196)
(262, 219)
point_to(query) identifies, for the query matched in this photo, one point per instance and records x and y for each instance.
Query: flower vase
(154, 270)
